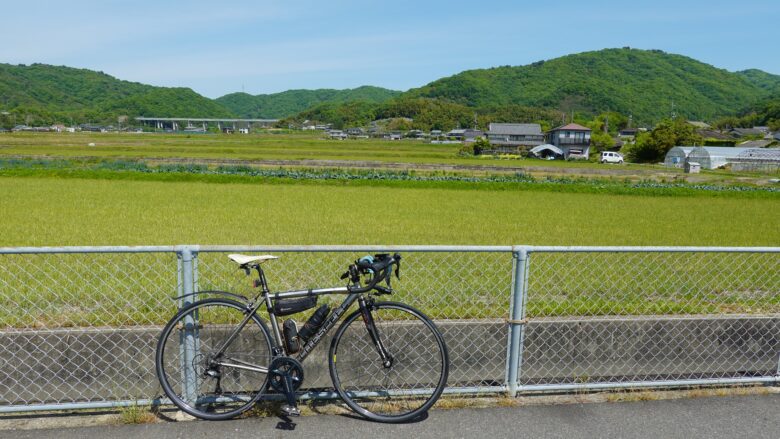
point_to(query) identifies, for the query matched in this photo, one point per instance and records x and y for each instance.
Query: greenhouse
(677, 155)
(757, 160)
(713, 157)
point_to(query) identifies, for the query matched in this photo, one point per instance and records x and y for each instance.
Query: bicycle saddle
(245, 259)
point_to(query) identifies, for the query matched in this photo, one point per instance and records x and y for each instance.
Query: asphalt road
(722, 417)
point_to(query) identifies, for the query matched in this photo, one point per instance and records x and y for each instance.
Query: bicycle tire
(182, 358)
(420, 364)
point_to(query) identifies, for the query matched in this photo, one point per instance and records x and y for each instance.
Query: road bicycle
(388, 361)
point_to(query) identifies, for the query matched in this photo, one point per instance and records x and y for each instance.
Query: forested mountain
(425, 114)
(54, 93)
(763, 113)
(287, 103)
(649, 84)
(764, 80)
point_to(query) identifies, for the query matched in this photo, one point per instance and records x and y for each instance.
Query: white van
(611, 157)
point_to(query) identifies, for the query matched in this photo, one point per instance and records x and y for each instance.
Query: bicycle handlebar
(380, 266)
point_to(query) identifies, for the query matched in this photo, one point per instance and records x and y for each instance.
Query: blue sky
(264, 47)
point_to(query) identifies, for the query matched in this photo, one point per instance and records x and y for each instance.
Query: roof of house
(515, 129)
(747, 131)
(699, 124)
(546, 146)
(572, 127)
(712, 134)
(756, 143)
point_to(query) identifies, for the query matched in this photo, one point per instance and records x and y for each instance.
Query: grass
(98, 290)
(136, 414)
(51, 212)
(95, 202)
(299, 146)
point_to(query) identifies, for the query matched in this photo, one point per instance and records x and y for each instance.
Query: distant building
(747, 132)
(92, 128)
(763, 143)
(509, 137)
(676, 156)
(337, 134)
(464, 134)
(572, 139)
(700, 125)
(628, 132)
(356, 131)
(713, 157)
(435, 133)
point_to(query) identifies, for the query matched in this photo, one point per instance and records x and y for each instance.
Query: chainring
(282, 366)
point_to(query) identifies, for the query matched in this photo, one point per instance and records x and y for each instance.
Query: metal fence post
(188, 339)
(517, 318)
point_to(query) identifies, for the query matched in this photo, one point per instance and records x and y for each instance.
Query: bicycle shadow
(357, 417)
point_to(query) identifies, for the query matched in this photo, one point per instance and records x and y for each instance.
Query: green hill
(765, 81)
(288, 103)
(649, 84)
(56, 93)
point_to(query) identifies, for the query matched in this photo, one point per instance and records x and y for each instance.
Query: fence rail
(78, 325)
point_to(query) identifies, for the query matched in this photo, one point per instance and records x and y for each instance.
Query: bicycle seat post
(261, 278)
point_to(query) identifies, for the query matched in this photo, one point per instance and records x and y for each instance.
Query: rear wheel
(398, 390)
(197, 380)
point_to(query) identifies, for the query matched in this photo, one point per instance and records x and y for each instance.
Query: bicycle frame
(267, 298)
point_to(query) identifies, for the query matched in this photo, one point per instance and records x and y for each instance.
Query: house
(699, 125)
(337, 134)
(628, 132)
(415, 134)
(356, 131)
(435, 134)
(509, 137)
(456, 133)
(464, 134)
(92, 128)
(572, 139)
(243, 130)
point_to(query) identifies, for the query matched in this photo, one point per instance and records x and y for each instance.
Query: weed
(136, 414)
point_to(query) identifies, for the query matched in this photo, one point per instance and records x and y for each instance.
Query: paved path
(722, 417)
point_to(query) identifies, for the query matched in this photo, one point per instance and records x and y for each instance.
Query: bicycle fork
(368, 319)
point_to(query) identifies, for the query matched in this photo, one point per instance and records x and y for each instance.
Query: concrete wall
(104, 364)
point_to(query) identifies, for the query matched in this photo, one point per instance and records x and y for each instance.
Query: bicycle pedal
(290, 410)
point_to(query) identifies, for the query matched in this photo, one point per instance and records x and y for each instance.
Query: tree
(653, 146)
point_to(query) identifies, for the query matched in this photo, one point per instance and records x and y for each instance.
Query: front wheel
(408, 381)
(200, 380)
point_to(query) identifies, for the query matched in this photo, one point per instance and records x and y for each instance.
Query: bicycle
(388, 361)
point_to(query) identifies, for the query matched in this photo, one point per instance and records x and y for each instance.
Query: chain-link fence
(79, 326)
